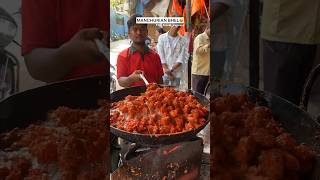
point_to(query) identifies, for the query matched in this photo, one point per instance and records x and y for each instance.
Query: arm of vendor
(138, 58)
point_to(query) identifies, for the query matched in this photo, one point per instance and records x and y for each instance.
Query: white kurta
(171, 53)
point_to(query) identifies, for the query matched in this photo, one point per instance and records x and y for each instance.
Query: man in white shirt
(172, 51)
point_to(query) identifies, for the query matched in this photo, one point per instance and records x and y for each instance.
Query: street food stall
(160, 125)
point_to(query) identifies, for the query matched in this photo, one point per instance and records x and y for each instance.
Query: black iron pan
(25, 108)
(153, 140)
(303, 127)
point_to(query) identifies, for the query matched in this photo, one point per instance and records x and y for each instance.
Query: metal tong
(144, 79)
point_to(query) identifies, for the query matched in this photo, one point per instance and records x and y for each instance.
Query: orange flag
(176, 9)
(197, 5)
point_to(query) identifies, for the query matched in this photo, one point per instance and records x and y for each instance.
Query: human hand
(168, 72)
(81, 48)
(135, 76)
(171, 77)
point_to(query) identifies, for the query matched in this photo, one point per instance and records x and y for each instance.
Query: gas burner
(131, 150)
(172, 161)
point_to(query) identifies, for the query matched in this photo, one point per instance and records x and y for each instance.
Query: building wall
(147, 13)
(117, 28)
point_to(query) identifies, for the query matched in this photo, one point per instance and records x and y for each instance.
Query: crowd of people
(289, 48)
(164, 60)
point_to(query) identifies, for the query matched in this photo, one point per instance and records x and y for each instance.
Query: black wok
(303, 127)
(25, 108)
(153, 140)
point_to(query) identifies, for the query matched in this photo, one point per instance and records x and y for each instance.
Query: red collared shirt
(51, 23)
(130, 60)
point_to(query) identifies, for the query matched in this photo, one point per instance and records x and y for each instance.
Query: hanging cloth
(160, 9)
(176, 9)
(198, 6)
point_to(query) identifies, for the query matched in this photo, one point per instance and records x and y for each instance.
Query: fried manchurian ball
(271, 164)
(158, 111)
(72, 141)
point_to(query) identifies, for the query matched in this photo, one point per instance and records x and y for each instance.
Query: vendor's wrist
(130, 79)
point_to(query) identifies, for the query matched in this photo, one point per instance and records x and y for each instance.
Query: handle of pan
(207, 89)
(131, 151)
(308, 87)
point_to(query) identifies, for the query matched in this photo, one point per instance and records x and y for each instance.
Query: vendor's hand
(135, 77)
(81, 48)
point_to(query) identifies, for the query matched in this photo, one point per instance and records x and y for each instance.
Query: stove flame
(168, 151)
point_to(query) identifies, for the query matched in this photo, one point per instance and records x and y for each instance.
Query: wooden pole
(188, 15)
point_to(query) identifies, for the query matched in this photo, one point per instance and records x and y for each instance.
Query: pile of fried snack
(71, 144)
(159, 110)
(248, 144)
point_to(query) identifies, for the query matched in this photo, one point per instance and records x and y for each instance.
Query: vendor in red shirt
(58, 38)
(138, 58)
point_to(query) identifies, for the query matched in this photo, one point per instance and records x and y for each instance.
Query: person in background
(201, 61)
(190, 43)
(138, 58)
(290, 34)
(148, 41)
(58, 38)
(159, 31)
(154, 42)
(222, 19)
(153, 45)
(172, 51)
